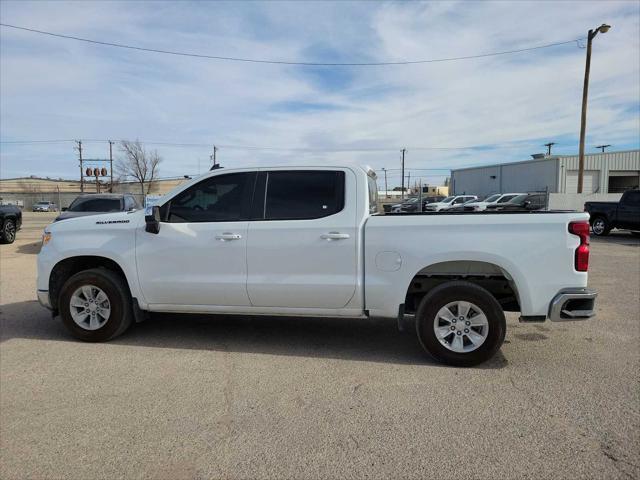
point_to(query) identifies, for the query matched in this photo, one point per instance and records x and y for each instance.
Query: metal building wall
(628, 161)
(537, 175)
(529, 176)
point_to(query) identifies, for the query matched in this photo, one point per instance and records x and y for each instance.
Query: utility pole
(602, 147)
(549, 145)
(79, 147)
(111, 164)
(402, 176)
(604, 28)
(386, 189)
(409, 182)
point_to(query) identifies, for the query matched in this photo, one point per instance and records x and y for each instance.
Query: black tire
(117, 291)
(454, 291)
(599, 226)
(8, 234)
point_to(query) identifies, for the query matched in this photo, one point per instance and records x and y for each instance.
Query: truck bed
(525, 247)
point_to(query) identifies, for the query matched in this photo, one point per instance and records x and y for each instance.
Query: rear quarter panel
(535, 250)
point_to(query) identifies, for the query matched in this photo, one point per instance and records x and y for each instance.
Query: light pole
(604, 28)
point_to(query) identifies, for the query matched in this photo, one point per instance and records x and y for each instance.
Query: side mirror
(153, 221)
(64, 209)
(527, 204)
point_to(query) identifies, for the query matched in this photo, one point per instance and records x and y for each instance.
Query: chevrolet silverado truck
(309, 241)
(623, 214)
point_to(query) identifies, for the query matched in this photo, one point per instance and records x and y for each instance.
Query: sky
(445, 114)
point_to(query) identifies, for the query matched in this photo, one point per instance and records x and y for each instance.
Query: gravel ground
(229, 397)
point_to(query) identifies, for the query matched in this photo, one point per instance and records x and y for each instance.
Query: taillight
(581, 229)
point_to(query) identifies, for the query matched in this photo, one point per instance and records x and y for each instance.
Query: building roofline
(545, 159)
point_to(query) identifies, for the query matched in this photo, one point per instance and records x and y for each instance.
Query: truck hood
(99, 222)
(69, 214)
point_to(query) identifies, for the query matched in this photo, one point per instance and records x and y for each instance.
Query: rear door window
(632, 199)
(373, 194)
(303, 194)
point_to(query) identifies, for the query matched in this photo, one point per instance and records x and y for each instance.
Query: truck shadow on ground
(618, 237)
(32, 248)
(343, 339)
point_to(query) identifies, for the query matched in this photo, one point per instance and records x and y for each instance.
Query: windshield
(492, 198)
(412, 200)
(447, 200)
(506, 198)
(95, 205)
(42, 203)
(518, 199)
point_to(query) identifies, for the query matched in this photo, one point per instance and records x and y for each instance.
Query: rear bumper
(43, 298)
(573, 304)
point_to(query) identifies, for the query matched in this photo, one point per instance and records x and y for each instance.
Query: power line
(284, 149)
(289, 62)
(28, 142)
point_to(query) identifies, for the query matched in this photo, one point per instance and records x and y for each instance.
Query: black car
(622, 214)
(526, 202)
(10, 223)
(96, 203)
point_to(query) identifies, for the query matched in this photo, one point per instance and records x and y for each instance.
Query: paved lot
(197, 397)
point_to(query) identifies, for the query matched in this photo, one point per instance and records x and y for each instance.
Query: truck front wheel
(460, 324)
(95, 305)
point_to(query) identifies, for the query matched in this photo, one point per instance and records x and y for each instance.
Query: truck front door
(199, 255)
(302, 240)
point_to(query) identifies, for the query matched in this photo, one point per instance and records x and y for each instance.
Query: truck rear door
(301, 245)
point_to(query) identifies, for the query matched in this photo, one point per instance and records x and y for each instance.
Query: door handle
(334, 236)
(224, 237)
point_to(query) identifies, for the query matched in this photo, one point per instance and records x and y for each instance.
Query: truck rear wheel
(95, 305)
(460, 324)
(600, 227)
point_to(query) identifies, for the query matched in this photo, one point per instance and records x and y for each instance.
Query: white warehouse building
(604, 173)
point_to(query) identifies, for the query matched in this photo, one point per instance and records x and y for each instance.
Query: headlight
(46, 238)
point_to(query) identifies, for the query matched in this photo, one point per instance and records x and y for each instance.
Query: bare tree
(138, 164)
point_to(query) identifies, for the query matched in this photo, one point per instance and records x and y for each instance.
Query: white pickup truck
(308, 241)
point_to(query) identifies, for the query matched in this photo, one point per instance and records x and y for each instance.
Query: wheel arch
(492, 275)
(67, 267)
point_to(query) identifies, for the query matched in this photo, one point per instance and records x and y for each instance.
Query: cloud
(512, 104)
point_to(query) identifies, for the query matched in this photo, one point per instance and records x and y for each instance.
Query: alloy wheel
(461, 327)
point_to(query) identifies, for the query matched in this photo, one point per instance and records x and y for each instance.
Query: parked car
(480, 205)
(605, 216)
(97, 203)
(308, 241)
(462, 207)
(449, 202)
(44, 207)
(523, 202)
(413, 204)
(10, 223)
(400, 207)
